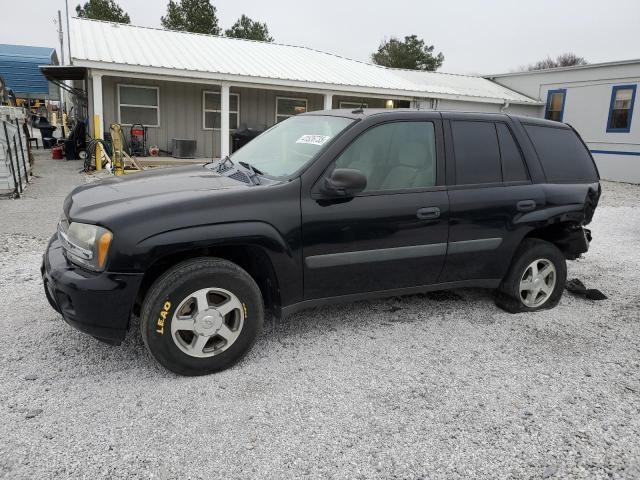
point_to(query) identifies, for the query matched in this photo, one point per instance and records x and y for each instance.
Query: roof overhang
(193, 76)
(60, 73)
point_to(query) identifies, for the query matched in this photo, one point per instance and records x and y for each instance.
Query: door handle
(526, 205)
(428, 213)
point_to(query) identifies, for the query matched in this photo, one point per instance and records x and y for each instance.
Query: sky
(476, 37)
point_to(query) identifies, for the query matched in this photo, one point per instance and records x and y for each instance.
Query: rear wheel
(201, 316)
(536, 278)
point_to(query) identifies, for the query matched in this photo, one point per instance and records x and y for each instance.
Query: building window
(353, 105)
(621, 108)
(555, 104)
(288, 107)
(211, 110)
(139, 104)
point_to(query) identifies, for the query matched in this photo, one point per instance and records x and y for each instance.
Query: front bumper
(95, 303)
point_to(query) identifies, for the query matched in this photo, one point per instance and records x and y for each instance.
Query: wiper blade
(251, 167)
(223, 165)
(255, 172)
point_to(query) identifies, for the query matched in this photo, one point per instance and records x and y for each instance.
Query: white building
(203, 87)
(598, 100)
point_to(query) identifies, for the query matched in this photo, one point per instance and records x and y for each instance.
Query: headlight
(86, 245)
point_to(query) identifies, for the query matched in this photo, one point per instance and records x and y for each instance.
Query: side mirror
(344, 182)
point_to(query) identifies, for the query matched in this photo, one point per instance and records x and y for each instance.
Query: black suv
(323, 207)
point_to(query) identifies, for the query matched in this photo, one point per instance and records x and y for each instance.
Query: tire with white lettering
(535, 280)
(201, 316)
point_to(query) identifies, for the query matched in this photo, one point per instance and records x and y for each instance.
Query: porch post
(328, 101)
(224, 120)
(97, 116)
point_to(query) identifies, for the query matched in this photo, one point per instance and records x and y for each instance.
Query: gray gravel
(432, 386)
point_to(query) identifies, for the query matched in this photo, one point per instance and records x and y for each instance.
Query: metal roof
(128, 48)
(19, 67)
(588, 66)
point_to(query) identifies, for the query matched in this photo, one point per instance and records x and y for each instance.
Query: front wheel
(536, 278)
(201, 316)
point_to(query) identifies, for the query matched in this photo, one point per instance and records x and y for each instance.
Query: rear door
(489, 190)
(392, 235)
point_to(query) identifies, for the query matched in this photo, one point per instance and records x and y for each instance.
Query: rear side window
(513, 169)
(477, 155)
(563, 156)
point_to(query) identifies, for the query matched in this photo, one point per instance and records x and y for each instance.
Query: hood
(150, 189)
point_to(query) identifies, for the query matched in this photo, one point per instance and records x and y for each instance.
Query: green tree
(249, 29)
(562, 60)
(107, 10)
(196, 16)
(412, 54)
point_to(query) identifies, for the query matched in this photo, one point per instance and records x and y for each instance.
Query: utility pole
(66, 6)
(61, 37)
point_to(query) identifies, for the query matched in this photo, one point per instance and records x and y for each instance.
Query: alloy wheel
(207, 322)
(537, 283)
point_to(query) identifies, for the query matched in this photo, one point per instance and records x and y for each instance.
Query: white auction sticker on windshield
(313, 139)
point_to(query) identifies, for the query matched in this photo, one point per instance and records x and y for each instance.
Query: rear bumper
(574, 242)
(95, 303)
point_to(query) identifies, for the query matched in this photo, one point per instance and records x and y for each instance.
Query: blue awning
(19, 67)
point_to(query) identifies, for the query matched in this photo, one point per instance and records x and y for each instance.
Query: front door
(392, 235)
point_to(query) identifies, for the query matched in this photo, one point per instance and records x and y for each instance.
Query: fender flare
(284, 260)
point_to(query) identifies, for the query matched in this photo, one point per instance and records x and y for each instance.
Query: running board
(354, 297)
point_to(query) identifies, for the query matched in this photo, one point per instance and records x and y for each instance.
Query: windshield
(289, 145)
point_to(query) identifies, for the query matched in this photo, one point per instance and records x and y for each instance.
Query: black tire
(531, 249)
(174, 286)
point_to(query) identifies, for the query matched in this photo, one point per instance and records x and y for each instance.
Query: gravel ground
(429, 386)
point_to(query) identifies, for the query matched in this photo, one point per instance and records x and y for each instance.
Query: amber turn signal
(103, 248)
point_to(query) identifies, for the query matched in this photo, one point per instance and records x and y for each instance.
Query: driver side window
(394, 156)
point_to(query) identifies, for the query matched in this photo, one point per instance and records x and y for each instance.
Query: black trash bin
(241, 137)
